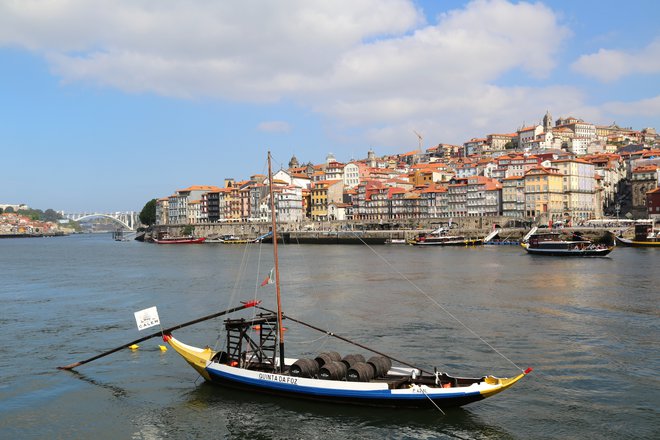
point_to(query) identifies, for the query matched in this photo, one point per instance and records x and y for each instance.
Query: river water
(588, 327)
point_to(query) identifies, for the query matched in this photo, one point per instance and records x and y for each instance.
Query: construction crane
(419, 136)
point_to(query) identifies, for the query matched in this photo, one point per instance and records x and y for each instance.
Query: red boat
(179, 240)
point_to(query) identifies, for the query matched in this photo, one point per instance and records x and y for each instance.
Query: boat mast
(280, 333)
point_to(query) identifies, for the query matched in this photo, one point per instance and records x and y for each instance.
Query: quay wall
(372, 233)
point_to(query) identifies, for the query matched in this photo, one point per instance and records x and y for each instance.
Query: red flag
(269, 278)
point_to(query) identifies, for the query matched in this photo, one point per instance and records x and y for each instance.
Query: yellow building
(324, 192)
(544, 194)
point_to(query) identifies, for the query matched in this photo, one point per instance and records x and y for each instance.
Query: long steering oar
(167, 330)
(357, 344)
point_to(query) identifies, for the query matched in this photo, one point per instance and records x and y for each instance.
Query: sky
(107, 104)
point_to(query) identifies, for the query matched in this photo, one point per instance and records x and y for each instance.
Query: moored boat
(646, 235)
(440, 237)
(179, 240)
(551, 244)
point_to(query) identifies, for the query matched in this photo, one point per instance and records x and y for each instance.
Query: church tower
(547, 121)
(293, 163)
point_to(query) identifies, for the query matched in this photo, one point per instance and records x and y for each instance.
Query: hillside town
(14, 223)
(564, 171)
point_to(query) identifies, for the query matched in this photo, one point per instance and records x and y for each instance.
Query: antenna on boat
(280, 333)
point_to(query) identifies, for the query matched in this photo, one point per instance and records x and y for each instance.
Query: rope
(438, 304)
(428, 397)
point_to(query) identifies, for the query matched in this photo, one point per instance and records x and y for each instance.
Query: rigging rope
(420, 290)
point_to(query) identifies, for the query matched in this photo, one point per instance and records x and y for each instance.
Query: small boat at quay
(646, 235)
(551, 244)
(253, 359)
(229, 239)
(179, 240)
(440, 237)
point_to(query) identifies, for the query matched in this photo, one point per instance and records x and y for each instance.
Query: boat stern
(198, 358)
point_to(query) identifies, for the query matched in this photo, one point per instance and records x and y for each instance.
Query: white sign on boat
(147, 318)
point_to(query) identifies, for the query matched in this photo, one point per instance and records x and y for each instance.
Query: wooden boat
(255, 361)
(646, 235)
(179, 240)
(229, 239)
(440, 237)
(551, 244)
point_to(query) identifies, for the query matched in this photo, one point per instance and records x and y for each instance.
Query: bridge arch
(116, 220)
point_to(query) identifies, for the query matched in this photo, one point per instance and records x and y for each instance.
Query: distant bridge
(128, 220)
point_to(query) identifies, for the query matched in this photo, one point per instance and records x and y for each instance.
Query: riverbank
(324, 233)
(58, 234)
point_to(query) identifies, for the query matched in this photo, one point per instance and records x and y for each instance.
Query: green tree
(50, 215)
(148, 213)
(188, 230)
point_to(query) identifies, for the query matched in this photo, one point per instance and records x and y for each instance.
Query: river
(588, 327)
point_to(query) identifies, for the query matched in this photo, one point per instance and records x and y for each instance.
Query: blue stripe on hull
(383, 398)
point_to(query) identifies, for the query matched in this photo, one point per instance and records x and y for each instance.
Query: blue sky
(105, 104)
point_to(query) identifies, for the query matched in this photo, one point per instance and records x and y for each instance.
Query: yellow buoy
(134, 347)
(163, 348)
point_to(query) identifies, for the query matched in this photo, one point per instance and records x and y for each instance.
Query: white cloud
(610, 65)
(375, 65)
(643, 107)
(274, 127)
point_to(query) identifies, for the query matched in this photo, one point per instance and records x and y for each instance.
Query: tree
(188, 230)
(51, 215)
(148, 213)
(9, 210)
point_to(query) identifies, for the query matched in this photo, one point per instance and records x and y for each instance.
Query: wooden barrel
(352, 359)
(360, 372)
(326, 357)
(304, 368)
(333, 370)
(380, 364)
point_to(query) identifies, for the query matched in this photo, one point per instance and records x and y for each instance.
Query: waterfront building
(195, 212)
(370, 201)
(483, 197)
(178, 202)
(544, 195)
(322, 193)
(653, 203)
(457, 199)
(404, 204)
(288, 203)
(579, 188)
(513, 197)
(162, 216)
(644, 179)
(433, 201)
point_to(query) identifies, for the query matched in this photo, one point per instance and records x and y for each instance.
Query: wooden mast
(280, 333)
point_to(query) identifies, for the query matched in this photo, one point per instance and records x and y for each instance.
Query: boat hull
(398, 389)
(598, 252)
(636, 243)
(458, 242)
(383, 399)
(180, 240)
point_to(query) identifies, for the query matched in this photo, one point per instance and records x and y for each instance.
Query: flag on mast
(269, 278)
(147, 318)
